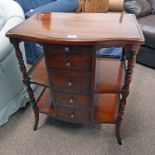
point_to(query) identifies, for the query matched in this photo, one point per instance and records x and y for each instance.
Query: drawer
(70, 82)
(71, 115)
(72, 99)
(66, 49)
(80, 62)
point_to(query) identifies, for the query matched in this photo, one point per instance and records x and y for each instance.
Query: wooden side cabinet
(79, 86)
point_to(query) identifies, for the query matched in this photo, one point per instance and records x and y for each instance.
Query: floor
(54, 137)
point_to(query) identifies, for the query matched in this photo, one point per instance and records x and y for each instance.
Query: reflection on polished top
(79, 27)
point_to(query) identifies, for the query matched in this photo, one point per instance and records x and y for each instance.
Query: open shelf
(109, 82)
(45, 103)
(106, 107)
(38, 73)
(110, 75)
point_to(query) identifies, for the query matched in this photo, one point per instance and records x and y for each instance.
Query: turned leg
(26, 81)
(125, 91)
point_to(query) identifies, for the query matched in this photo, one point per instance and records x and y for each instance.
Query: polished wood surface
(106, 108)
(70, 82)
(75, 28)
(72, 115)
(110, 75)
(73, 61)
(44, 104)
(40, 73)
(72, 99)
(83, 88)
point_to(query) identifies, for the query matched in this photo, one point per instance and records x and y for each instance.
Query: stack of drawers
(69, 73)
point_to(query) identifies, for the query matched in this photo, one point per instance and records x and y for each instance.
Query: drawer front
(70, 82)
(69, 114)
(66, 49)
(72, 99)
(68, 61)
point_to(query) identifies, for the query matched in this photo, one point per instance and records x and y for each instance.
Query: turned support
(26, 80)
(132, 51)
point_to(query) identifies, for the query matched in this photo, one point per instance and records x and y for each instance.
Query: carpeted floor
(58, 138)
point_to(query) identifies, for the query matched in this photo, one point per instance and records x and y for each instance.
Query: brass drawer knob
(68, 64)
(71, 100)
(72, 115)
(70, 83)
(66, 49)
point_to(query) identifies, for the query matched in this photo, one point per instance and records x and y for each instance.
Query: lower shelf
(61, 112)
(45, 104)
(106, 107)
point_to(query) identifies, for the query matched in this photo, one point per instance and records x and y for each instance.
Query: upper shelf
(75, 28)
(39, 73)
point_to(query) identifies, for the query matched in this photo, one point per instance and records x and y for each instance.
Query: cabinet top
(75, 28)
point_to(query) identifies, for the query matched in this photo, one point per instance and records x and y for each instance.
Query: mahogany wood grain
(72, 115)
(68, 62)
(71, 99)
(70, 42)
(67, 49)
(39, 74)
(79, 28)
(106, 108)
(44, 104)
(110, 74)
(70, 82)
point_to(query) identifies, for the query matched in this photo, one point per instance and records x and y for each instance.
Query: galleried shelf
(78, 85)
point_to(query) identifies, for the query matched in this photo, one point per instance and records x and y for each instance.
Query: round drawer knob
(71, 100)
(68, 64)
(72, 115)
(66, 49)
(70, 84)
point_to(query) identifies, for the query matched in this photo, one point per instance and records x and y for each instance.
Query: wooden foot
(36, 121)
(117, 131)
